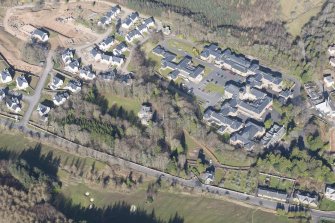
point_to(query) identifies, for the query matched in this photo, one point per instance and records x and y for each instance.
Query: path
(34, 99)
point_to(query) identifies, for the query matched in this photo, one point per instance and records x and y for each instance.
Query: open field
(276, 183)
(128, 104)
(297, 13)
(18, 143)
(214, 88)
(192, 209)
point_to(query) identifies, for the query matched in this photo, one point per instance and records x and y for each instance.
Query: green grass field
(327, 205)
(192, 209)
(214, 88)
(276, 183)
(128, 104)
(18, 143)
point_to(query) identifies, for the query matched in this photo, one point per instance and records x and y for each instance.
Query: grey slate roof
(21, 80)
(272, 193)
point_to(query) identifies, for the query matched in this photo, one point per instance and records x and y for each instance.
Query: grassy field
(192, 209)
(327, 205)
(19, 142)
(296, 13)
(214, 88)
(232, 158)
(276, 183)
(128, 104)
(239, 181)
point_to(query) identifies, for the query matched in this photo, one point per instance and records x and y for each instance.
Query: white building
(330, 193)
(331, 50)
(67, 56)
(86, 73)
(56, 83)
(332, 61)
(40, 35)
(13, 104)
(329, 81)
(106, 43)
(5, 77)
(21, 83)
(60, 98)
(74, 86)
(43, 110)
(72, 67)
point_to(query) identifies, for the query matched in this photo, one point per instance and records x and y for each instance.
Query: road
(34, 99)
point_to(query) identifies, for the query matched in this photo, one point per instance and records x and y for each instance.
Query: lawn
(182, 46)
(214, 88)
(192, 209)
(233, 158)
(129, 104)
(19, 142)
(296, 14)
(327, 205)
(239, 181)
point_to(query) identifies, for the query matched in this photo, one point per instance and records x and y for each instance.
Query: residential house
(285, 95)
(331, 50)
(2, 94)
(305, 198)
(104, 21)
(247, 136)
(326, 108)
(207, 177)
(133, 35)
(211, 52)
(272, 194)
(130, 20)
(271, 81)
(13, 104)
(40, 35)
(111, 14)
(96, 54)
(145, 114)
(225, 123)
(56, 82)
(142, 29)
(72, 67)
(60, 98)
(106, 43)
(232, 90)
(237, 63)
(21, 82)
(74, 86)
(329, 81)
(332, 61)
(149, 22)
(43, 110)
(273, 135)
(166, 30)
(5, 76)
(330, 192)
(67, 56)
(119, 49)
(108, 75)
(86, 73)
(185, 67)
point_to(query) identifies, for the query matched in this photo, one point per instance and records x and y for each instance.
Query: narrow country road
(33, 99)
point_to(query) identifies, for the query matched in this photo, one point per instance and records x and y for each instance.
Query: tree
(268, 123)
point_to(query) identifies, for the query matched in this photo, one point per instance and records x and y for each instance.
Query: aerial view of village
(167, 111)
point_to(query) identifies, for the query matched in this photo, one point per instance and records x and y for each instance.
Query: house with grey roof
(56, 82)
(130, 20)
(271, 81)
(225, 123)
(306, 198)
(247, 137)
(60, 98)
(272, 194)
(120, 49)
(86, 73)
(108, 75)
(105, 44)
(232, 90)
(104, 21)
(5, 76)
(21, 82)
(13, 104)
(237, 63)
(330, 193)
(96, 54)
(211, 52)
(67, 56)
(43, 110)
(111, 14)
(40, 35)
(72, 67)
(74, 86)
(273, 135)
(149, 22)
(145, 114)
(255, 108)
(133, 35)
(2, 94)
